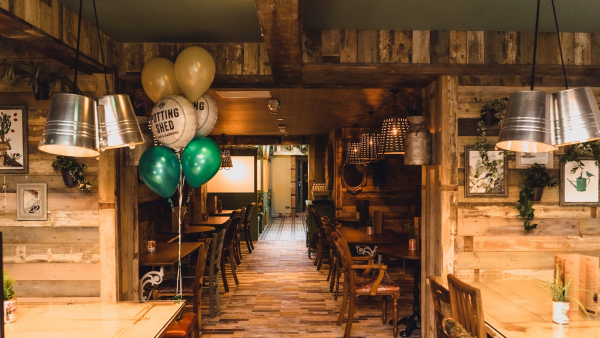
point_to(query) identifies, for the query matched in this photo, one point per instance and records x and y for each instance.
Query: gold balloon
(158, 79)
(195, 71)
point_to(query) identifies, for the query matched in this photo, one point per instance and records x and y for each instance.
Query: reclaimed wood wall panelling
(490, 236)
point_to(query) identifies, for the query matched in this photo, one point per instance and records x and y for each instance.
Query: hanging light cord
(537, 21)
(77, 53)
(101, 51)
(562, 61)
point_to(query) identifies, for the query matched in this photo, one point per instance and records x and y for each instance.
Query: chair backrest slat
(200, 264)
(230, 233)
(440, 295)
(248, 213)
(216, 250)
(345, 257)
(467, 308)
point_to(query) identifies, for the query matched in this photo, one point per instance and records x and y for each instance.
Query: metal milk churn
(417, 142)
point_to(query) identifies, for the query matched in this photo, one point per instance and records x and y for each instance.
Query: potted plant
(493, 112)
(42, 82)
(151, 234)
(10, 300)
(532, 186)
(72, 172)
(560, 297)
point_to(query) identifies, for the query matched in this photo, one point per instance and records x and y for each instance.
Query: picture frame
(581, 187)
(32, 201)
(525, 160)
(14, 158)
(478, 182)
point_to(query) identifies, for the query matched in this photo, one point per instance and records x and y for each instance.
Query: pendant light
(226, 162)
(117, 124)
(527, 123)
(70, 128)
(393, 131)
(369, 145)
(352, 153)
(576, 113)
(77, 126)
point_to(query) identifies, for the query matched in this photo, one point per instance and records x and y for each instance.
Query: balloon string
(179, 286)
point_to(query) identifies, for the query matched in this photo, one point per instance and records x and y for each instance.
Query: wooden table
(519, 307)
(215, 221)
(222, 213)
(192, 229)
(367, 244)
(346, 221)
(93, 320)
(402, 252)
(167, 254)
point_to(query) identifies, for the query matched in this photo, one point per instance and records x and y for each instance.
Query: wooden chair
(228, 251)
(323, 242)
(238, 249)
(246, 227)
(440, 295)
(214, 270)
(364, 285)
(467, 308)
(190, 323)
(237, 255)
(334, 265)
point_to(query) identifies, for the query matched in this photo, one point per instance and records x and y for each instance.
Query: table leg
(414, 321)
(153, 279)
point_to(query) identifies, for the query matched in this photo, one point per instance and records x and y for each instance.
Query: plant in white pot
(560, 297)
(10, 300)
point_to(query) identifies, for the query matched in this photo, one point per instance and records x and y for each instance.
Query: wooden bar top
(167, 253)
(93, 320)
(520, 307)
(359, 236)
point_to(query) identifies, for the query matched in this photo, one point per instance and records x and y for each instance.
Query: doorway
(301, 183)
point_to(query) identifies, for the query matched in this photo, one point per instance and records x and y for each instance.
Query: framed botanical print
(526, 160)
(485, 180)
(32, 201)
(580, 183)
(13, 140)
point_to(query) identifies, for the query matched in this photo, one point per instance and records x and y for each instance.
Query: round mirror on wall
(354, 177)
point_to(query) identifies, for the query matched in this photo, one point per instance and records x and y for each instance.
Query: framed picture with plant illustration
(485, 177)
(32, 201)
(13, 140)
(580, 183)
(526, 160)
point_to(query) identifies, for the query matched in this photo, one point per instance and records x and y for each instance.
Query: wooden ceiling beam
(281, 26)
(14, 27)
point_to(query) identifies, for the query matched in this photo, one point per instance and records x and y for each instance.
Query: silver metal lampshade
(70, 128)
(226, 162)
(352, 154)
(576, 116)
(369, 143)
(527, 124)
(392, 135)
(117, 124)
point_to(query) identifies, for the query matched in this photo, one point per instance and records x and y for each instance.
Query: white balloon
(206, 113)
(174, 121)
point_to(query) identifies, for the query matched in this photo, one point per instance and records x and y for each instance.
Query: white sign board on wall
(240, 178)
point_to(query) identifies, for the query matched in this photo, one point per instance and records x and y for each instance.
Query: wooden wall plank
(28, 288)
(311, 41)
(348, 46)
(439, 46)
(385, 46)
(367, 45)
(494, 45)
(475, 47)
(421, 45)
(402, 46)
(265, 68)
(51, 253)
(54, 271)
(458, 47)
(567, 43)
(235, 59)
(251, 59)
(50, 235)
(535, 243)
(510, 48)
(583, 49)
(330, 44)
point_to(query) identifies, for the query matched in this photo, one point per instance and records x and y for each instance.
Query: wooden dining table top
(213, 221)
(192, 229)
(352, 220)
(399, 252)
(167, 253)
(359, 236)
(521, 307)
(94, 320)
(222, 213)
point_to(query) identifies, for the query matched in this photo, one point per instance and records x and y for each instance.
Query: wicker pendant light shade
(369, 146)
(352, 154)
(226, 159)
(393, 132)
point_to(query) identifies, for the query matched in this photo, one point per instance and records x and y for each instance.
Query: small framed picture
(525, 160)
(579, 183)
(479, 180)
(13, 140)
(32, 201)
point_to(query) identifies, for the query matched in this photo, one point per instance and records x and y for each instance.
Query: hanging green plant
(491, 113)
(574, 152)
(75, 169)
(534, 178)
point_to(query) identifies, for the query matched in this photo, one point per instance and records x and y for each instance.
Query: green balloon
(160, 170)
(200, 161)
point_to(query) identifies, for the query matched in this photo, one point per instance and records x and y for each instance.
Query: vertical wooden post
(128, 229)
(2, 283)
(108, 226)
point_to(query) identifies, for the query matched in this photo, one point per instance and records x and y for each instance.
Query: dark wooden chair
(467, 308)
(334, 265)
(246, 227)
(190, 323)
(323, 242)
(214, 271)
(229, 252)
(238, 250)
(365, 284)
(440, 295)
